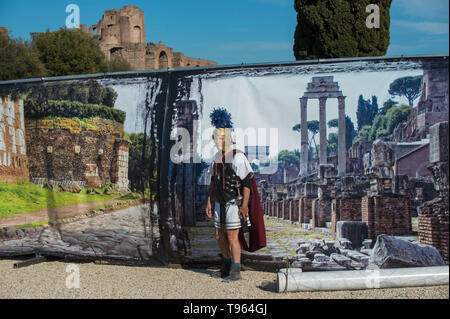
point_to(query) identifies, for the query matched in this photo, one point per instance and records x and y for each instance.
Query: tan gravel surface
(48, 280)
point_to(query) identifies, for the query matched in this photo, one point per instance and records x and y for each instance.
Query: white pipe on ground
(361, 279)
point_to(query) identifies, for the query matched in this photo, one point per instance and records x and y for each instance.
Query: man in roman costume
(233, 199)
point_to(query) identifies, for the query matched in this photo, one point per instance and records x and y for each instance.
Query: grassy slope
(25, 197)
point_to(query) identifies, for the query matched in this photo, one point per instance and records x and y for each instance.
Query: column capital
(323, 99)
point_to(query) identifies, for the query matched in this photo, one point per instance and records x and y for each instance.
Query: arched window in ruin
(136, 37)
(163, 60)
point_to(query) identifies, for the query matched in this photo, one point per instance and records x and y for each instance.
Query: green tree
(337, 28)
(287, 158)
(408, 86)
(384, 124)
(17, 60)
(87, 93)
(332, 143)
(396, 115)
(363, 134)
(350, 131)
(366, 111)
(313, 127)
(66, 52)
(387, 105)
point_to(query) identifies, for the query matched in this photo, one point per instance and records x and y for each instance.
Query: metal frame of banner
(145, 73)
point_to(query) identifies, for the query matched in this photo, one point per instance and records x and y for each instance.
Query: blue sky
(232, 31)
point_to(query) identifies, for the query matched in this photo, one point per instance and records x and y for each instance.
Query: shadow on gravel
(212, 272)
(269, 286)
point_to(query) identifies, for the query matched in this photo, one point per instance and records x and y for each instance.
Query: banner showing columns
(322, 88)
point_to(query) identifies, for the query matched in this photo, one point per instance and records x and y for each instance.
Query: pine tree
(337, 28)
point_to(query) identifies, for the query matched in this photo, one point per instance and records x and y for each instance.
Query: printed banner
(119, 166)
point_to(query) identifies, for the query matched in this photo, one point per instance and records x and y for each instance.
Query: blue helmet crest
(220, 118)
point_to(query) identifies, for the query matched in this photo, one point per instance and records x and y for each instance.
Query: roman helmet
(221, 120)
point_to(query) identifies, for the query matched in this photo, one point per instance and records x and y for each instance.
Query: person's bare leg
(235, 246)
(223, 243)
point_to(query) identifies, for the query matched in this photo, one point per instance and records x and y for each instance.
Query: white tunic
(241, 166)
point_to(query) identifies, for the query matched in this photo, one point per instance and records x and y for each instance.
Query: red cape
(257, 230)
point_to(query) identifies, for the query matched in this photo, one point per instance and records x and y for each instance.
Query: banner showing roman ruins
(118, 166)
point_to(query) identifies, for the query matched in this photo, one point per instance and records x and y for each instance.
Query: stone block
(329, 243)
(439, 142)
(344, 252)
(367, 243)
(327, 171)
(321, 258)
(341, 260)
(361, 258)
(303, 248)
(310, 190)
(353, 231)
(345, 243)
(393, 252)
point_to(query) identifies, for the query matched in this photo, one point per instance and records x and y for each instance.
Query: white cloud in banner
(273, 101)
(131, 99)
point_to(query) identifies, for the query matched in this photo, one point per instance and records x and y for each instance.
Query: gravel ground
(48, 280)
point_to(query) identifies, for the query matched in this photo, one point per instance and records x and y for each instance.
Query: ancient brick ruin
(66, 151)
(13, 151)
(381, 184)
(433, 215)
(121, 33)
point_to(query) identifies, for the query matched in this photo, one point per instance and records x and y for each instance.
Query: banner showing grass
(26, 197)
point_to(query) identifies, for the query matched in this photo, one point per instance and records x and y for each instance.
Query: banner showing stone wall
(13, 154)
(79, 174)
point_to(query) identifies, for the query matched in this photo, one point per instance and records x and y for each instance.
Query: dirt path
(51, 213)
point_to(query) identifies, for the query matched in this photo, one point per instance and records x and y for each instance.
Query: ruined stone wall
(295, 210)
(414, 164)
(345, 209)
(389, 215)
(434, 214)
(119, 166)
(321, 212)
(72, 150)
(121, 33)
(305, 209)
(13, 154)
(179, 60)
(160, 56)
(433, 225)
